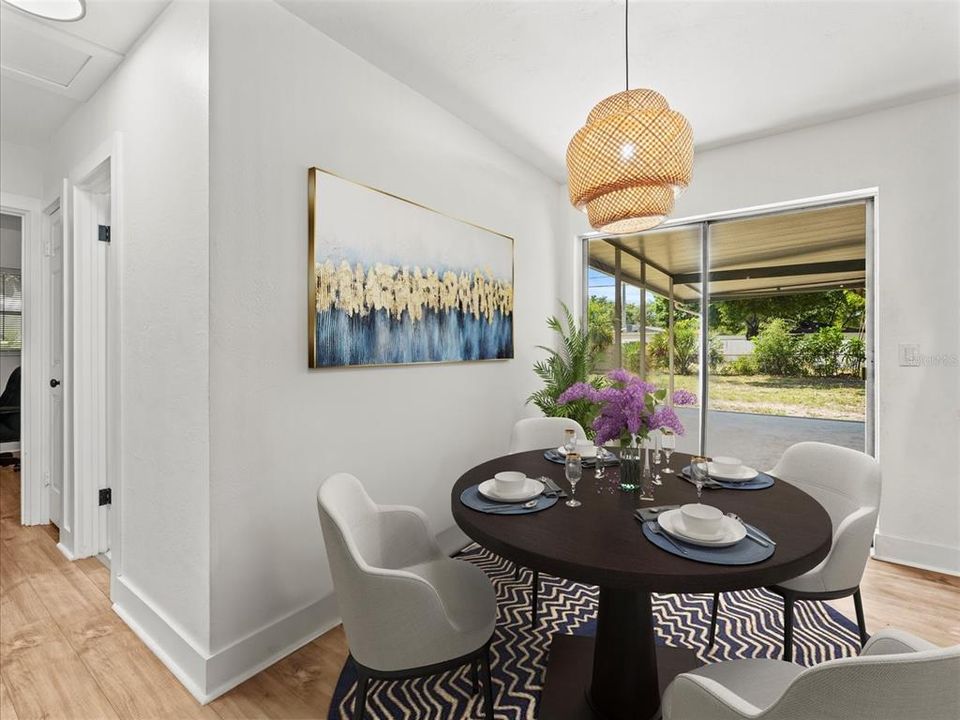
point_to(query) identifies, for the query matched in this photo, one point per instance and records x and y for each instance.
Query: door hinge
(103, 233)
(106, 496)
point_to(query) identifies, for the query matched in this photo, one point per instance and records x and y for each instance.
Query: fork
(657, 530)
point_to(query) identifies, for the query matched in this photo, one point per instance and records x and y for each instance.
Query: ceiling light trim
(16, 4)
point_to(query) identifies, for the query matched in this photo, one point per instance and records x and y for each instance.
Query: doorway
(11, 337)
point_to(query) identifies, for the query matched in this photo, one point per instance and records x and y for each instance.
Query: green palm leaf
(572, 362)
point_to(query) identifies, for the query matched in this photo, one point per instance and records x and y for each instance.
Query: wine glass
(574, 471)
(655, 443)
(599, 467)
(699, 473)
(669, 443)
(570, 440)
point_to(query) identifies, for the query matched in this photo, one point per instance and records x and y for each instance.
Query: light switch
(909, 355)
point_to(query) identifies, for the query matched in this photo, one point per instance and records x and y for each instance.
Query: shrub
(743, 365)
(820, 351)
(854, 353)
(715, 357)
(775, 350)
(686, 348)
(631, 356)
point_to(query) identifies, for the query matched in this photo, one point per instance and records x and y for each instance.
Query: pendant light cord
(626, 41)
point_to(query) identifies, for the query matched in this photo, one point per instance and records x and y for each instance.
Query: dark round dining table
(621, 672)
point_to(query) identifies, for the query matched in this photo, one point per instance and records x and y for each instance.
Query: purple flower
(684, 397)
(578, 391)
(664, 418)
(628, 406)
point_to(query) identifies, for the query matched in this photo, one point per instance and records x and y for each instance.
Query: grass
(839, 398)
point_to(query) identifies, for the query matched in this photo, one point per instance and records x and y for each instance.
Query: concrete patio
(759, 440)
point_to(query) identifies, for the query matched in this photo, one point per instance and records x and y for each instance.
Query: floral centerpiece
(629, 409)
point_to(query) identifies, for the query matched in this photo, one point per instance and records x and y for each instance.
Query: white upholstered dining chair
(847, 484)
(540, 433)
(897, 676)
(408, 610)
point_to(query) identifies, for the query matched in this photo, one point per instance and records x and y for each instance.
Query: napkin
(552, 487)
(651, 513)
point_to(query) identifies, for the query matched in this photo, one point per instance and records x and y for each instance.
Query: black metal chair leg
(360, 701)
(713, 619)
(475, 675)
(535, 601)
(861, 622)
(516, 571)
(788, 628)
(487, 684)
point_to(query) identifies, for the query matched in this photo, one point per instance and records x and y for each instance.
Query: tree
(843, 309)
(600, 322)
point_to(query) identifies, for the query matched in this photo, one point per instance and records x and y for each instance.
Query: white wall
(911, 153)
(158, 100)
(21, 170)
(285, 97)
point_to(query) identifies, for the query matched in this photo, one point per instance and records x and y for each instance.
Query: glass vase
(631, 466)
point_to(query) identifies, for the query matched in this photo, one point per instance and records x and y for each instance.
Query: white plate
(744, 474)
(531, 489)
(731, 531)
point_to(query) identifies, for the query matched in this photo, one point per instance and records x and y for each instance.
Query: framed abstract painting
(392, 282)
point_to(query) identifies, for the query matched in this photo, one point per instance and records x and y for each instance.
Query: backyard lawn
(838, 398)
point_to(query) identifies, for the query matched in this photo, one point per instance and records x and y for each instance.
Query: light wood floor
(65, 654)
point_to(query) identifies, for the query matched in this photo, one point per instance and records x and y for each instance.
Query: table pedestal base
(566, 687)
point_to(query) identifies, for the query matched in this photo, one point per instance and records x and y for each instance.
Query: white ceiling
(527, 72)
(47, 68)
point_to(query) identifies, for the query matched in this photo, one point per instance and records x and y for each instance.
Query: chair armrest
(9, 409)
(691, 697)
(843, 567)
(890, 641)
(411, 541)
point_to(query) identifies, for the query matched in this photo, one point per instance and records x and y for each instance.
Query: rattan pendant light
(631, 159)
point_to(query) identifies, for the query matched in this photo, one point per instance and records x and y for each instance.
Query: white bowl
(727, 465)
(509, 482)
(703, 520)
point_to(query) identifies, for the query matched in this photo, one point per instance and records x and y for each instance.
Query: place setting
(590, 455)
(512, 493)
(705, 533)
(722, 472)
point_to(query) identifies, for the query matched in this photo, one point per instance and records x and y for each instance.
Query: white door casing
(92, 353)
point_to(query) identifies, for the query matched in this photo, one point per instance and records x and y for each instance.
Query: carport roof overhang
(799, 251)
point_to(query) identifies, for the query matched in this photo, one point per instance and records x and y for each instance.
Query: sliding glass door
(774, 339)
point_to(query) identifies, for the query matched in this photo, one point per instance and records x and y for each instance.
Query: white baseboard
(244, 658)
(65, 551)
(926, 556)
(208, 675)
(182, 657)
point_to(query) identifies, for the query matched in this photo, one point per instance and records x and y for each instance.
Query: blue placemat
(760, 482)
(472, 498)
(745, 552)
(555, 457)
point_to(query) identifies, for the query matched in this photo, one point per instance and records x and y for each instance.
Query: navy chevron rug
(750, 626)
